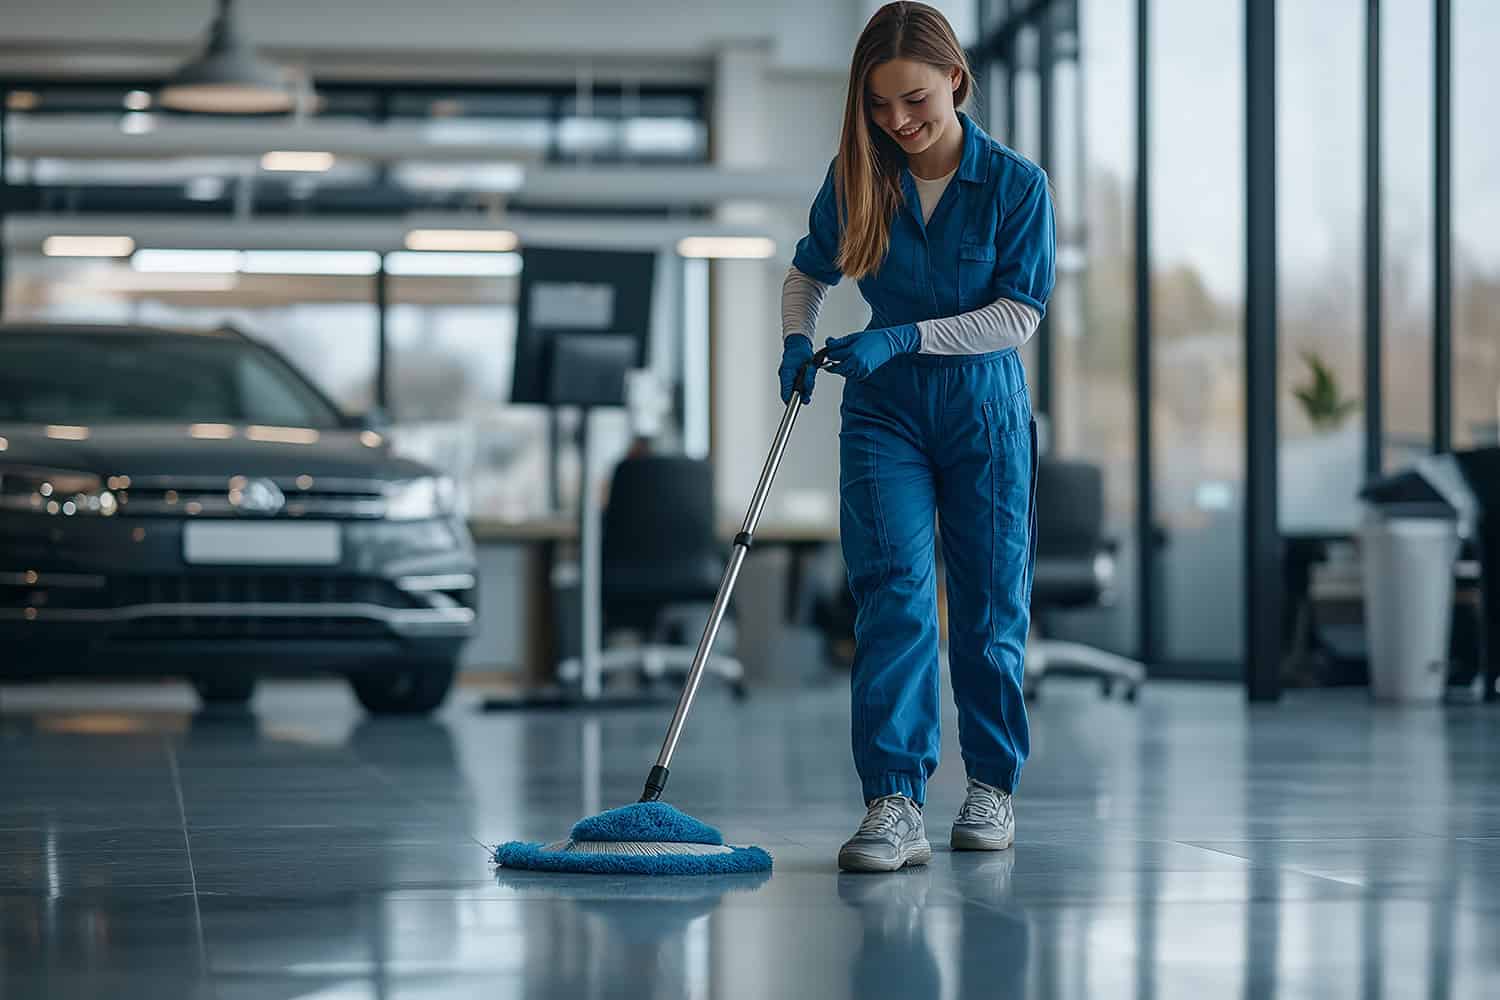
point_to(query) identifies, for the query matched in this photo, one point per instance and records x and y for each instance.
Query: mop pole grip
(815, 362)
(656, 783)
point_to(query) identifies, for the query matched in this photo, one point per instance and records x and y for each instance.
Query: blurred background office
(540, 248)
(375, 229)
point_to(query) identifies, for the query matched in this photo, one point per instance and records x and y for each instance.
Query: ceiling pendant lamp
(227, 77)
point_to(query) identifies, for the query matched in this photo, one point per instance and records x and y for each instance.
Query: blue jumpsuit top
(991, 236)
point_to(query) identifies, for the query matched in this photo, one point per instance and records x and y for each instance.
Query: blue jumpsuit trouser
(951, 436)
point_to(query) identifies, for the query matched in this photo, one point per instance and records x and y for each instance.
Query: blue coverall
(951, 435)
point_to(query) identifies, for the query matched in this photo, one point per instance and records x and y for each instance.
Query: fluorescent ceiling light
(478, 240)
(63, 432)
(736, 247)
(137, 100)
(88, 246)
(186, 261)
(293, 159)
(211, 432)
(428, 264)
(310, 262)
(22, 100)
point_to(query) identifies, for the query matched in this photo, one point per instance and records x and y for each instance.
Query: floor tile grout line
(187, 844)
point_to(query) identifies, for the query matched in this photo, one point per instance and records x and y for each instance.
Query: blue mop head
(647, 838)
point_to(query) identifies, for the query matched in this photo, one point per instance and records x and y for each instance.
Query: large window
(1093, 312)
(325, 325)
(1406, 133)
(452, 343)
(1476, 234)
(1197, 278)
(1320, 210)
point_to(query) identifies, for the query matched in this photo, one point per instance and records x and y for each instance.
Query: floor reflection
(1186, 847)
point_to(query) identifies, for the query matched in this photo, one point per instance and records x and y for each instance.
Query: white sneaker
(986, 821)
(890, 837)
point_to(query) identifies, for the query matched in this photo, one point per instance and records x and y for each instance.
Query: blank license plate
(204, 543)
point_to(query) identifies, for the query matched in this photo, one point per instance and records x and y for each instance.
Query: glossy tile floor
(1185, 847)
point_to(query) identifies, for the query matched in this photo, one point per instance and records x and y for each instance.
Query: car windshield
(62, 377)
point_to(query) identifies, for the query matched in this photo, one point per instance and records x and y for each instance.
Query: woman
(950, 236)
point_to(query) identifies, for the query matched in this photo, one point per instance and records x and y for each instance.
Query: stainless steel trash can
(1408, 589)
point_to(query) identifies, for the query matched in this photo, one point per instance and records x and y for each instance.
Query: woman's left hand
(859, 354)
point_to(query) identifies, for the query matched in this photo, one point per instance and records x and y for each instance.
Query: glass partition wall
(1384, 172)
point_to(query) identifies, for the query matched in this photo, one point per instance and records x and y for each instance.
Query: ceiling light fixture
(294, 159)
(728, 247)
(88, 246)
(228, 77)
(462, 240)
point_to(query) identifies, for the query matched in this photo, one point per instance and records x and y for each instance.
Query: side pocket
(1009, 425)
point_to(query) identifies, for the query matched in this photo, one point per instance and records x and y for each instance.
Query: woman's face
(912, 102)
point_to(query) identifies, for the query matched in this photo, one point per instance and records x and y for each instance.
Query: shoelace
(981, 805)
(882, 817)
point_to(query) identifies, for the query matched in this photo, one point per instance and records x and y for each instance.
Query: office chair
(1074, 569)
(662, 564)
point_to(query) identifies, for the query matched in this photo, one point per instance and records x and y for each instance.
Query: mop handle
(656, 782)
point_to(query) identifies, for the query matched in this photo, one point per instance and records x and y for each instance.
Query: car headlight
(419, 499)
(58, 492)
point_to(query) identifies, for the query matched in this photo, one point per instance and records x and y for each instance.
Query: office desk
(541, 536)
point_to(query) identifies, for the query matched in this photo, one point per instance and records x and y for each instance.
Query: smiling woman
(908, 76)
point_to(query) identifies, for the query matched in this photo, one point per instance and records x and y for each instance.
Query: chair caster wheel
(739, 691)
(1106, 687)
(1031, 694)
(1131, 692)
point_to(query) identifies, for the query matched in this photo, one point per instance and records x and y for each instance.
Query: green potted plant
(1321, 467)
(1322, 400)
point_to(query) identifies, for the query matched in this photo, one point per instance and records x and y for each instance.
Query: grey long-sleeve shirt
(1001, 324)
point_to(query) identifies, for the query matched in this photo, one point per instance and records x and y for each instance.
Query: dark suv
(186, 503)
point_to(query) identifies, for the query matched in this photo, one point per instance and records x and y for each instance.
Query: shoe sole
(858, 861)
(969, 840)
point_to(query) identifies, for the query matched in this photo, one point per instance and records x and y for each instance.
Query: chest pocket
(976, 272)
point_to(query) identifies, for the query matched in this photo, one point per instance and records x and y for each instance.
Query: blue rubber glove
(794, 351)
(859, 354)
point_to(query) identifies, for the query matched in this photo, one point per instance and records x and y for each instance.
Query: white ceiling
(73, 36)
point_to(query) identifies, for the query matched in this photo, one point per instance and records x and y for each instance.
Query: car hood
(205, 450)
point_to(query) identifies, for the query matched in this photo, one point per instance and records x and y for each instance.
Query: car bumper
(102, 595)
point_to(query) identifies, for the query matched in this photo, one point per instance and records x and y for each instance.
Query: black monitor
(584, 318)
(588, 369)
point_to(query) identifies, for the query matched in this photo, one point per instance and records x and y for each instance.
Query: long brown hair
(867, 178)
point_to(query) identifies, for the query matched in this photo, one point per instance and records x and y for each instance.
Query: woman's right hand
(796, 350)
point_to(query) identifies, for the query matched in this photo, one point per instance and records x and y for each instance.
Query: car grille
(253, 588)
(209, 627)
(213, 496)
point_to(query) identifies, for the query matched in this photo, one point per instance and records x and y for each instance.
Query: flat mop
(651, 837)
